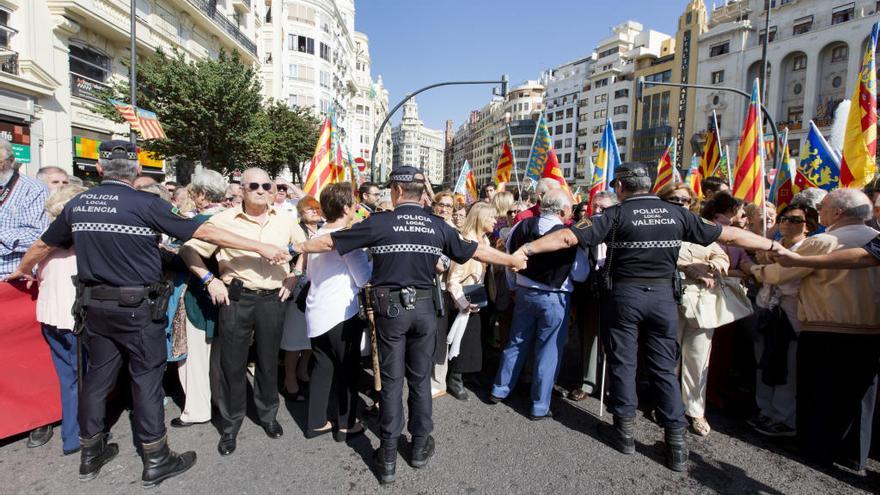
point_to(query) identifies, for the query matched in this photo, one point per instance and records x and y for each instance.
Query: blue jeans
(540, 318)
(62, 344)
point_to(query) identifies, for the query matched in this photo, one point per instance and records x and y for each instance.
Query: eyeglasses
(253, 186)
(788, 219)
(281, 188)
(682, 200)
(228, 199)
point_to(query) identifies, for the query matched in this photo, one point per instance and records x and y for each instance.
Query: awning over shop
(85, 155)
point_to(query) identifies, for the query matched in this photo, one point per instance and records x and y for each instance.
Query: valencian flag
(606, 161)
(665, 167)
(858, 165)
(692, 178)
(326, 166)
(819, 166)
(127, 112)
(748, 174)
(711, 160)
(149, 126)
(505, 163)
(466, 185)
(782, 190)
(540, 152)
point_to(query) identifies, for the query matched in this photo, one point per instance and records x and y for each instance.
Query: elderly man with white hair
(22, 220)
(540, 314)
(839, 345)
(53, 177)
(544, 185)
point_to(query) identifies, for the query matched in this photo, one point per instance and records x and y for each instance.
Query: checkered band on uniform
(114, 228)
(406, 248)
(645, 244)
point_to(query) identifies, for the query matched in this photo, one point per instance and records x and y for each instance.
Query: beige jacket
(837, 301)
(469, 273)
(712, 255)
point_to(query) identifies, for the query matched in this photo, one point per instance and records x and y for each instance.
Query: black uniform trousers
(649, 310)
(257, 315)
(837, 378)
(337, 358)
(112, 331)
(406, 349)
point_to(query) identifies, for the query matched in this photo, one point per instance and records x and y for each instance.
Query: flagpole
(513, 158)
(717, 136)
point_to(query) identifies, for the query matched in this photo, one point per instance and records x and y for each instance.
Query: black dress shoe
(494, 399)
(179, 423)
(273, 429)
(539, 418)
(227, 444)
(341, 436)
(422, 451)
(40, 436)
(310, 433)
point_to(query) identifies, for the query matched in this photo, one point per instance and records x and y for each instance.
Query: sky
(414, 43)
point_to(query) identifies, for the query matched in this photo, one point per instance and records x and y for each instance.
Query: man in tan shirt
(251, 293)
(839, 345)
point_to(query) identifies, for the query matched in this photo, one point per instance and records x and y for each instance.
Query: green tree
(207, 108)
(282, 137)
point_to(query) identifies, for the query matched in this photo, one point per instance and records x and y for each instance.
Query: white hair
(546, 184)
(555, 201)
(811, 196)
(6, 149)
(854, 203)
(211, 184)
(51, 169)
(119, 168)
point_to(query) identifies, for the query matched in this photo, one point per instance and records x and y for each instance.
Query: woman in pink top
(54, 303)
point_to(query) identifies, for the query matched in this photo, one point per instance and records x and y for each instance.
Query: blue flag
(819, 165)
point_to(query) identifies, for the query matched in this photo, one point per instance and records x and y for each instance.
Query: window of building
(557, 144)
(621, 93)
(621, 109)
(796, 114)
(621, 141)
(569, 127)
(292, 71)
(839, 53)
(88, 62)
(664, 76)
(325, 79)
(619, 125)
(549, 117)
(526, 106)
(601, 83)
(566, 158)
(567, 143)
(292, 101)
(843, 13)
(802, 25)
(599, 114)
(718, 77)
(608, 52)
(794, 147)
(719, 49)
(710, 122)
(325, 52)
(301, 44)
(799, 62)
(600, 98)
(559, 129)
(772, 37)
(569, 112)
(623, 157)
(595, 144)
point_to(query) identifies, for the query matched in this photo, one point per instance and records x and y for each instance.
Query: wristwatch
(296, 273)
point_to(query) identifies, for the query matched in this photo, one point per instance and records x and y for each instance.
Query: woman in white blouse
(333, 324)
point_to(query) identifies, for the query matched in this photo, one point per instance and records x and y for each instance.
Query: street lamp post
(503, 81)
(777, 158)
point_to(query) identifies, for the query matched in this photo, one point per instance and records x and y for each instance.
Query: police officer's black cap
(406, 173)
(117, 148)
(631, 169)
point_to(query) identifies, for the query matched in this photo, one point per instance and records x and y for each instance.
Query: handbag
(712, 308)
(476, 295)
(302, 296)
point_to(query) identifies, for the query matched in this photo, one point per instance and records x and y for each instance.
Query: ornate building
(416, 145)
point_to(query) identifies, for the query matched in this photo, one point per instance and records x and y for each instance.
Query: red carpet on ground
(29, 394)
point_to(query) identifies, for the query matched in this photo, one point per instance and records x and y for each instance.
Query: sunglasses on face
(682, 200)
(788, 219)
(253, 186)
(281, 188)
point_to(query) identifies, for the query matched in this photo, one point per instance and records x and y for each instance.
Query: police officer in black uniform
(405, 245)
(120, 294)
(644, 235)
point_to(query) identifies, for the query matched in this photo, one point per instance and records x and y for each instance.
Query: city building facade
(416, 145)
(56, 55)
(814, 53)
(564, 92)
(369, 106)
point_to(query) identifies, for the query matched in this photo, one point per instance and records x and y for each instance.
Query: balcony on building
(209, 9)
(243, 5)
(8, 57)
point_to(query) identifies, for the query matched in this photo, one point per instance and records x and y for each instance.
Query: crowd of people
(794, 350)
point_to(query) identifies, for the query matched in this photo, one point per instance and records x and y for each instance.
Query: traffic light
(504, 85)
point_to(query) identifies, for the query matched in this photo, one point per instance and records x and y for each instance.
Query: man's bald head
(254, 174)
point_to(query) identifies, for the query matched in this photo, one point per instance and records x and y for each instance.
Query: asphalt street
(481, 448)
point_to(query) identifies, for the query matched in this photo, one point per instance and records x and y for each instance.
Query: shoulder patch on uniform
(585, 223)
(177, 212)
(707, 222)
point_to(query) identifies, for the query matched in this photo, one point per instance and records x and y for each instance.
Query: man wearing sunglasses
(406, 245)
(251, 295)
(115, 229)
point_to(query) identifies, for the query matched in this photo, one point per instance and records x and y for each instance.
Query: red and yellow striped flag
(665, 167)
(711, 151)
(553, 171)
(505, 163)
(322, 169)
(149, 125)
(748, 174)
(859, 162)
(470, 183)
(127, 112)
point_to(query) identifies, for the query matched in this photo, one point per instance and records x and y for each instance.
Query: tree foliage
(212, 112)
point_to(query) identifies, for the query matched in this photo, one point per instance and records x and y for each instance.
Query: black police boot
(676, 449)
(621, 435)
(161, 463)
(385, 461)
(422, 451)
(95, 453)
(455, 386)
